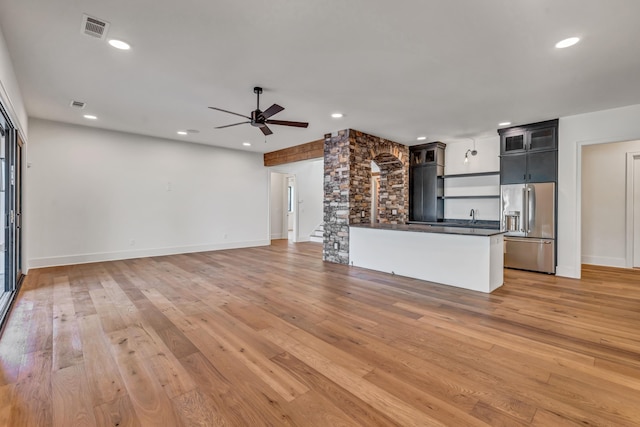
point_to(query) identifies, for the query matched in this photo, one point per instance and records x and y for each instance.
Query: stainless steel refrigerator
(528, 217)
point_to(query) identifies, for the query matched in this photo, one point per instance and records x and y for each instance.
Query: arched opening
(388, 195)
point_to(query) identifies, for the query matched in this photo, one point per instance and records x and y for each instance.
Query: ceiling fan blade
(230, 112)
(274, 109)
(265, 130)
(288, 123)
(235, 124)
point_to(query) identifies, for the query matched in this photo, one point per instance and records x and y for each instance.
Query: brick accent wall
(347, 186)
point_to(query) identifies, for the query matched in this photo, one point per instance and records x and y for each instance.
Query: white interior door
(292, 207)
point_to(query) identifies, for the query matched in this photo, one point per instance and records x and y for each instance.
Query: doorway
(283, 206)
(375, 191)
(610, 204)
(633, 209)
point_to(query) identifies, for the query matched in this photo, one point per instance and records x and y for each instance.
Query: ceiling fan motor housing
(257, 119)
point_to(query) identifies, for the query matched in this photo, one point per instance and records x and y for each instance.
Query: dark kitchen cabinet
(529, 153)
(426, 185)
(513, 143)
(543, 138)
(416, 193)
(513, 169)
(542, 166)
(535, 137)
(530, 167)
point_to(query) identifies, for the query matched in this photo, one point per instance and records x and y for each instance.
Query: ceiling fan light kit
(259, 118)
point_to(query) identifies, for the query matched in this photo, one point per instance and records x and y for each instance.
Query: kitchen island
(469, 258)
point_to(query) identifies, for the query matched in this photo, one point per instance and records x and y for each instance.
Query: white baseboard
(277, 236)
(604, 261)
(140, 253)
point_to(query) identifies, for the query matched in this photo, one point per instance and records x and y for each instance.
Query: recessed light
(90, 117)
(567, 42)
(246, 144)
(119, 44)
(337, 115)
(182, 132)
(421, 138)
(504, 124)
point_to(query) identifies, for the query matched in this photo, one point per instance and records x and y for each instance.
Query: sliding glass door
(10, 212)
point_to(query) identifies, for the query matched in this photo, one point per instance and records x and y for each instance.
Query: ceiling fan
(260, 118)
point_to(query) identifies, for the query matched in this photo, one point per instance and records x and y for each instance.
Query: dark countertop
(423, 228)
(495, 225)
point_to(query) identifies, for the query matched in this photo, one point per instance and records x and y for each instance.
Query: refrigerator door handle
(524, 210)
(531, 208)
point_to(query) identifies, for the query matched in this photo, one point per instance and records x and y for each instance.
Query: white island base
(466, 258)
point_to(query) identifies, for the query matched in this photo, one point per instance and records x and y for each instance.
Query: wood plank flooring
(273, 336)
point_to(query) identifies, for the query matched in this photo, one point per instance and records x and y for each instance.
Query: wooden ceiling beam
(310, 150)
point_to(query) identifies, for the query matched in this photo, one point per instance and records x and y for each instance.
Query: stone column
(336, 198)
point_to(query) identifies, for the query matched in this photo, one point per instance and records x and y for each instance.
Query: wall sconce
(472, 151)
(466, 155)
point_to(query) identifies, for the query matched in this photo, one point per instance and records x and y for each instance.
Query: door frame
(284, 203)
(630, 214)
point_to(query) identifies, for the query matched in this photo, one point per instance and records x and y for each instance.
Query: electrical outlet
(336, 245)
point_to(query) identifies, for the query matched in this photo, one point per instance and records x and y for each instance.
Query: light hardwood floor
(274, 336)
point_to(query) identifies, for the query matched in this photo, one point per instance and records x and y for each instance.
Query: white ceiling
(444, 69)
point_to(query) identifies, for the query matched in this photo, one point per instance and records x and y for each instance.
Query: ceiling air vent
(94, 27)
(78, 104)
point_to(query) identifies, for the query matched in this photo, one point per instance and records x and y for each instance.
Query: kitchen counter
(426, 228)
(469, 258)
(494, 225)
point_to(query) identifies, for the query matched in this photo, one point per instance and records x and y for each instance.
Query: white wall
(12, 101)
(487, 160)
(278, 197)
(310, 194)
(100, 195)
(9, 90)
(575, 132)
(604, 178)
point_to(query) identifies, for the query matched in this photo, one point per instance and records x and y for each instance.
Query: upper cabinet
(431, 154)
(426, 186)
(529, 153)
(541, 136)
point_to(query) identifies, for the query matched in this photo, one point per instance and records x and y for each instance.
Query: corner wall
(98, 195)
(10, 91)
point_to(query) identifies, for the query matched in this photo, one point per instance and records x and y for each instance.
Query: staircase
(318, 234)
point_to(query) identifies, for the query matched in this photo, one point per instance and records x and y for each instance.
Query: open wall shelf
(469, 175)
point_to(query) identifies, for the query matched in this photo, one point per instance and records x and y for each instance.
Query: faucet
(473, 216)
